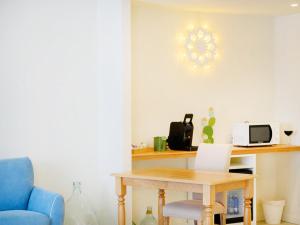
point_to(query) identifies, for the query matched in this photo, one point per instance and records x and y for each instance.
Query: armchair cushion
(16, 179)
(23, 217)
(20, 202)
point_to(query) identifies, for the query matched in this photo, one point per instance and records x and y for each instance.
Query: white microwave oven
(255, 134)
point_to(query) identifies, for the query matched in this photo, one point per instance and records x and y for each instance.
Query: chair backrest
(213, 157)
(16, 183)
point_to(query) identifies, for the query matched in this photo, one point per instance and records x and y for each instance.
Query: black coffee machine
(181, 134)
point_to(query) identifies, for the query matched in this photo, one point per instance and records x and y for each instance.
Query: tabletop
(185, 176)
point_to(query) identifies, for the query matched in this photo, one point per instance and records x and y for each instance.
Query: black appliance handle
(271, 133)
(188, 116)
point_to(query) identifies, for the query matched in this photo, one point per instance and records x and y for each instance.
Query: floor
(283, 223)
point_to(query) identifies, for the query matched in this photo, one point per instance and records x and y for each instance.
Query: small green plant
(208, 130)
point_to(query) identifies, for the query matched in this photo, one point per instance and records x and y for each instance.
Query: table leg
(247, 211)
(121, 192)
(224, 203)
(209, 195)
(167, 221)
(248, 195)
(161, 204)
(209, 219)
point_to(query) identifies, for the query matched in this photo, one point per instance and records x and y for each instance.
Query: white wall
(164, 89)
(287, 69)
(240, 86)
(65, 93)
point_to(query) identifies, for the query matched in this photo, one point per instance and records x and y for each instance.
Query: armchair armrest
(48, 203)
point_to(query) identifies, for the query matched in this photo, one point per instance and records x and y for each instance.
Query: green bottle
(149, 219)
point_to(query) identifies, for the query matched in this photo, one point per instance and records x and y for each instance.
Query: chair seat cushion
(23, 217)
(189, 209)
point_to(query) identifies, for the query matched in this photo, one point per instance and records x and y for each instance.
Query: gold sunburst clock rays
(200, 47)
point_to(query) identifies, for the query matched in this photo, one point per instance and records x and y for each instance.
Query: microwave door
(260, 134)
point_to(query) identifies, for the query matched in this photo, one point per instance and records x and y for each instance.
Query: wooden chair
(210, 157)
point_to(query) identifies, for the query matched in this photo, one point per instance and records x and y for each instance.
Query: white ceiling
(269, 7)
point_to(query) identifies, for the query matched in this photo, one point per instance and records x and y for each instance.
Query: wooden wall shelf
(150, 154)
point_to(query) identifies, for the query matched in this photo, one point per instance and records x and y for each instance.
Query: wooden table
(208, 183)
(150, 154)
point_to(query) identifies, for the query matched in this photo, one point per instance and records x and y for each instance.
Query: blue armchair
(23, 204)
